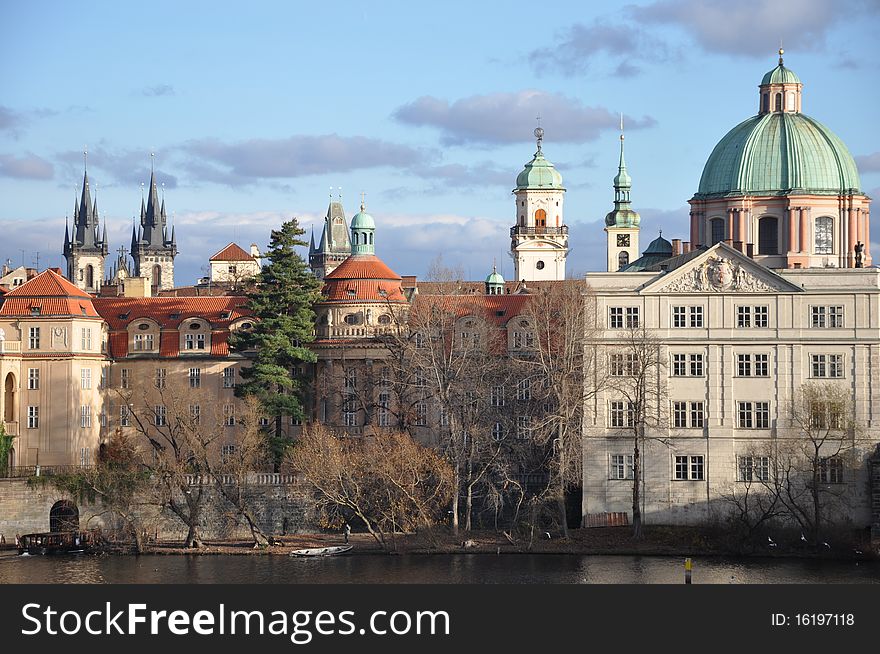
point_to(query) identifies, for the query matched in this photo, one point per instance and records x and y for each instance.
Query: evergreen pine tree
(281, 301)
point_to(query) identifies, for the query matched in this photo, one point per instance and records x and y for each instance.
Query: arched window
(90, 276)
(157, 276)
(789, 101)
(9, 398)
(540, 218)
(765, 103)
(371, 239)
(778, 103)
(717, 228)
(824, 235)
(768, 235)
(622, 259)
(64, 516)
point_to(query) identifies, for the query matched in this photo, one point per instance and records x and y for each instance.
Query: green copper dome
(779, 153)
(495, 278)
(781, 75)
(362, 220)
(539, 174)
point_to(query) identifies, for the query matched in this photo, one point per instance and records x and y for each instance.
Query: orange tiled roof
(232, 252)
(362, 290)
(169, 312)
(497, 309)
(48, 294)
(363, 266)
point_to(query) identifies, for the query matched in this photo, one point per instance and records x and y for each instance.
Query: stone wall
(874, 468)
(280, 506)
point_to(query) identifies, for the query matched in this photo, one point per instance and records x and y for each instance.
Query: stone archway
(64, 516)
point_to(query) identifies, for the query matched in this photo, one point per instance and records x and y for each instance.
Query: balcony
(538, 231)
(11, 428)
(10, 347)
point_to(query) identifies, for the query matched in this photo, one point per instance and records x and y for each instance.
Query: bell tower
(622, 223)
(539, 239)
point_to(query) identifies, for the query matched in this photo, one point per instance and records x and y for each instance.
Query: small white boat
(322, 551)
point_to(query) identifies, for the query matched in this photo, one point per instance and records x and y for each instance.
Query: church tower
(152, 249)
(334, 246)
(85, 248)
(622, 224)
(539, 240)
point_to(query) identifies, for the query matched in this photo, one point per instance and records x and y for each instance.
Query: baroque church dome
(539, 173)
(779, 152)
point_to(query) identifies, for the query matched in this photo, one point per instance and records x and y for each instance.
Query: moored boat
(322, 551)
(56, 542)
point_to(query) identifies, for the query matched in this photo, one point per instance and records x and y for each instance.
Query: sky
(254, 111)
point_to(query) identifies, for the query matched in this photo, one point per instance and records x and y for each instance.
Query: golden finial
(781, 52)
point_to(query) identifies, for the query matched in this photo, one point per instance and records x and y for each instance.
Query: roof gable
(48, 284)
(720, 269)
(232, 252)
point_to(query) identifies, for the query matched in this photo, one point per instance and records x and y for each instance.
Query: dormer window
(35, 311)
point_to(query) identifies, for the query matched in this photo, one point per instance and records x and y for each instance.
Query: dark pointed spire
(66, 238)
(312, 243)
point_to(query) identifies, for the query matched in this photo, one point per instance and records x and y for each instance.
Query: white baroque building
(769, 293)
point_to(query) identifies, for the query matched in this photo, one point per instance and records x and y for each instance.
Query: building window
(125, 416)
(86, 338)
(831, 470)
(33, 379)
(85, 456)
(421, 379)
(33, 417)
(753, 365)
(717, 227)
(383, 415)
(687, 316)
(679, 365)
(227, 451)
(143, 342)
(826, 415)
(824, 235)
(229, 377)
(826, 317)
(104, 374)
(421, 414)
(195, 377)
(687, 365)
(524, 389)
(497, 431)
(523, 427)
(350, 381)
(617, 315)
(349, 411)
(622, 414)
(696, 364)
(621, 466)
(687, 414)
(160, 414)
(688, 468)
(34, 338)
(622, 259)
(444, 416)
(768, 235)
(754, 468)
(752, 316)
(85, 416)
(125, 378)
(623, 365)
(229, 415)
(497, 396)
(85, 378)
(826, 365)
(161, 377)
(753, 415)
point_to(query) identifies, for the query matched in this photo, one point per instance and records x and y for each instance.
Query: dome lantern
(780, 90)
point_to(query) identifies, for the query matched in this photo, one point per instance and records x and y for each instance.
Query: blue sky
(255, 110)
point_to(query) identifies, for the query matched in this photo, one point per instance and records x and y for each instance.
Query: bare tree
(811, 464)
(636, 368)
(551, 347)
(387, 481)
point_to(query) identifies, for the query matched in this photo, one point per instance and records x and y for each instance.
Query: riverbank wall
(280, 504)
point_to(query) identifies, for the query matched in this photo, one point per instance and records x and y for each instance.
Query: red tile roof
(363, 278)
(497, 309)
(169, 312)
(48, 294)
(363, 266)
(232, 252)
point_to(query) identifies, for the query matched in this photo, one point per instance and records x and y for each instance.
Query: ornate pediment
(722, 271)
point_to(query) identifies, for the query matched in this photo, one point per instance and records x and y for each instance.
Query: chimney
(255, 251)
(685, 247)
(57, 271)
(676, 247)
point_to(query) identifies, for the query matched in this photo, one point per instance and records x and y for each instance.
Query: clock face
(623, 240)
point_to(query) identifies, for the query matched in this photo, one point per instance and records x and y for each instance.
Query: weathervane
(539, 132)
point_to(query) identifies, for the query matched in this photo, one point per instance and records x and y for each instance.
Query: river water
(427, 569)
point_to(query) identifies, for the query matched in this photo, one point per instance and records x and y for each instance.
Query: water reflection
(426, 569)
